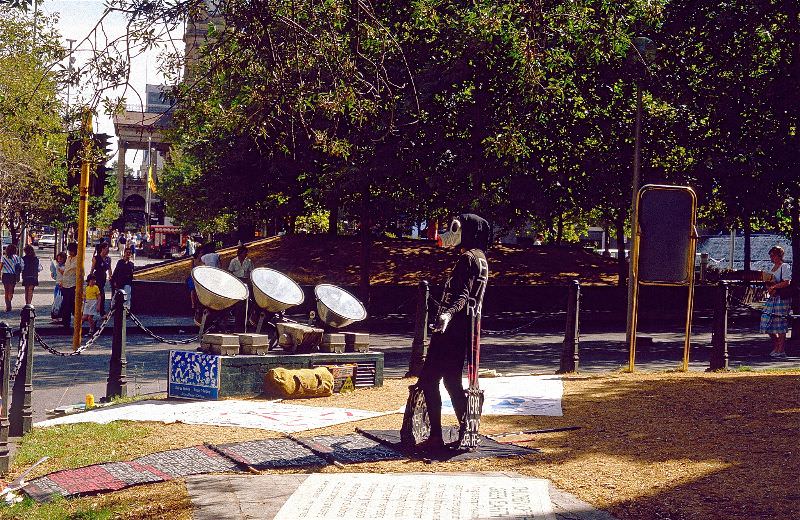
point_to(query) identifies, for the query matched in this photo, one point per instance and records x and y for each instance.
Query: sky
(76, 20)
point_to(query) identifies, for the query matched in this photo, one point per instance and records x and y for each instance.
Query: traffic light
(73, 159)
(102, 152)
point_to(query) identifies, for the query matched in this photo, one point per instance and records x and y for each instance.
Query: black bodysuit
(448, 349)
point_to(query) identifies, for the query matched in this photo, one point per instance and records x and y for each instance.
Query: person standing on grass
(775, 318)
(11, 271)
(30, 273)
(68, 285)
(450, 339)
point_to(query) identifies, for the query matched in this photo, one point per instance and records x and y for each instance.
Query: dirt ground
(313, 259)
(650, 445)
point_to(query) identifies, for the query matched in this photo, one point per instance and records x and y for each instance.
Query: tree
(32, 143)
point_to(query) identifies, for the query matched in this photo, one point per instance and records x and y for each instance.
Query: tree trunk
(366, 242)
(560, 228)
(622, 264)
(747, 233)
(333, 218)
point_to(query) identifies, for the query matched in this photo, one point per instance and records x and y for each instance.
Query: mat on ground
(487, 448)
(417, 496)
(265, 415)
(515, 395)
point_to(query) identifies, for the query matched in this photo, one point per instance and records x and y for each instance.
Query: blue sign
(193, 375)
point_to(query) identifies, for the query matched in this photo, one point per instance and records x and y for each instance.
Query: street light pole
(642, 46)
(83, 217)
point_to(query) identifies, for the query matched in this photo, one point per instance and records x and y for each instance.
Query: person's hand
(442, 322)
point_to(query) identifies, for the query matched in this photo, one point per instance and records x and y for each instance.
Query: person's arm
(459, 287)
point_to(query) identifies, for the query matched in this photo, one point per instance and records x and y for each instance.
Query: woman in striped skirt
(774, 320)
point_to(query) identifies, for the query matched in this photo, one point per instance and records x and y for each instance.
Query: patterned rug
(487, 447)
(113, 476)
(262, 455)
(285, 453)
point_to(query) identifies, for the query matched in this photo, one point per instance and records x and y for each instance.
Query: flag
(151, 181)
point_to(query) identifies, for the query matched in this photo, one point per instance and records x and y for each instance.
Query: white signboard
(341, 496)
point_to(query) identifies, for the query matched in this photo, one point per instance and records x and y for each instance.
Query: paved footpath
(244, 497)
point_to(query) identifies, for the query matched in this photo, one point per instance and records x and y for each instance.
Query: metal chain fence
(162, 339)
(555, 309)
(89, 343)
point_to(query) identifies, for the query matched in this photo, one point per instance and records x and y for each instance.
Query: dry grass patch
(651, 445)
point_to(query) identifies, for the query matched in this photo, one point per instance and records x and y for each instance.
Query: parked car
(47, 241)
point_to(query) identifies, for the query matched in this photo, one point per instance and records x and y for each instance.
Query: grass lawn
(313, 259)
(651, 446)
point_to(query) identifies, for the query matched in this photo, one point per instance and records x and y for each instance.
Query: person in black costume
(450, 339)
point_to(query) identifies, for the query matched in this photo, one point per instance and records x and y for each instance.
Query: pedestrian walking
(91, 302)
(101, 267)
(30, 272)
(122, 278)
(190, 247)
(57, 274)
(775, 318)
(11, 271)
(68, 283)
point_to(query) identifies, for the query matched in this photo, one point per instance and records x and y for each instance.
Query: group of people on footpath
(18, 269)
(63, 270)
(128, 240)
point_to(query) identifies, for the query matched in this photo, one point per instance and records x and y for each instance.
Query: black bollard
(719, 330)
(569, 352)
(419, 346)
(5, 344)
(117, 384)
(21, 414)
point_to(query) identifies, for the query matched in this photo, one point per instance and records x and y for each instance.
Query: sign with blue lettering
(193, 375)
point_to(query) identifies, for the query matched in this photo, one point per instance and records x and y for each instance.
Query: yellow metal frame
(635, 272)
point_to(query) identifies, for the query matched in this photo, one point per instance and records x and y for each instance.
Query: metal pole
(687, 341)
(148, 196)
(633, 301)
(5, 344)
(719, 330)
(117, 384)
(21, 402)
(637, 149)
(569, 353)
(419, 346)
(83, 217)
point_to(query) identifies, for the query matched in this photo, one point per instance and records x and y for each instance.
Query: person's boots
(431, 444)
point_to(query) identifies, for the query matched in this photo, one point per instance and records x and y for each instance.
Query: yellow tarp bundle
(300, 382)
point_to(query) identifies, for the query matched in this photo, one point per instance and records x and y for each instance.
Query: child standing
(91, 302)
